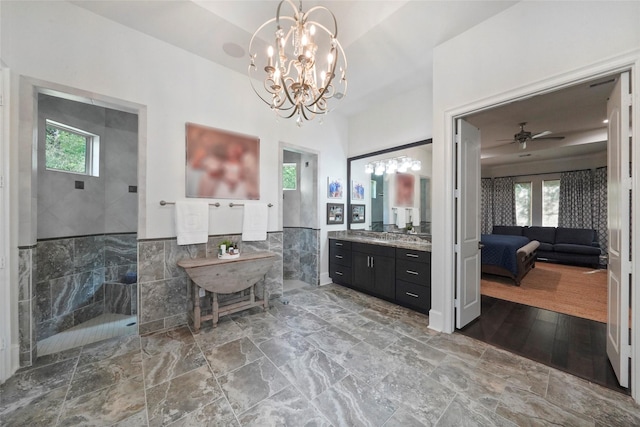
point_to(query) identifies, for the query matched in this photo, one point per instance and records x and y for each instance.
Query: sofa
(567, 245)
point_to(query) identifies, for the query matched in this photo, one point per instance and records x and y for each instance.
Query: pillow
(575, 236)
(541, 234)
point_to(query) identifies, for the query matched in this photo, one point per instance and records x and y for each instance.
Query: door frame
(442, 316)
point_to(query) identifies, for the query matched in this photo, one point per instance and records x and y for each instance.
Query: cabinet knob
(339, 273)
(412, 295)
(339, 256)
(413, 255)
(338, 244)
(415, 273)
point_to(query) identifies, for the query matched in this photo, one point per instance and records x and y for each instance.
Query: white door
(619, 186)
(467, 300)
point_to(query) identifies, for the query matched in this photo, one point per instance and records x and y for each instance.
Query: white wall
(499, 60)
(400, 120)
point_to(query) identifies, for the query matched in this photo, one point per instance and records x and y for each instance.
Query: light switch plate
(201, 292)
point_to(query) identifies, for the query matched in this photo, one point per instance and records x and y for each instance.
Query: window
(550, 202)
(289, 176)
(68, 149)
(523, 203)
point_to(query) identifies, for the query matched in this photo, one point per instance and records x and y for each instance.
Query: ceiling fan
(523, 136)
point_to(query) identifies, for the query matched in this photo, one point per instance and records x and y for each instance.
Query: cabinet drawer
(370, 249)
(340, 274)
(411, 255)
(414, 272)
(412, 294)
(340, 256)
(339, 244)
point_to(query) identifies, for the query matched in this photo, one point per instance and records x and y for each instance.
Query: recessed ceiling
(388, 44)
(575, 112)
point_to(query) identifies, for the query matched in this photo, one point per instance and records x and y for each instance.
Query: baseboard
(436, 320)
(325, 279)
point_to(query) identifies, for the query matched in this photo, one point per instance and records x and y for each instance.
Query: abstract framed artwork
(221, 164)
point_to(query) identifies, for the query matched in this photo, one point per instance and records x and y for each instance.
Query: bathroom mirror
(393, 187)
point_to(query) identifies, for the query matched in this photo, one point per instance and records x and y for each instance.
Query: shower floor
(100, 328)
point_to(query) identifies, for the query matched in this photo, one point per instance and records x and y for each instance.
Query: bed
(508, 256)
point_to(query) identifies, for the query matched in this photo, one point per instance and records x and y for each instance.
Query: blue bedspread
(501, 250)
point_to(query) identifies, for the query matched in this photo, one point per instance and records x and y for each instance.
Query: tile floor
(105, 326)
(331, 356)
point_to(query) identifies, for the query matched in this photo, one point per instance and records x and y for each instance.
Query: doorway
(619, 156)
(87, 217)
(301, 234)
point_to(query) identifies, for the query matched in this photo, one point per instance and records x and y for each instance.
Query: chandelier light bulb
(379, 169)
(368, 168)
(292, 85)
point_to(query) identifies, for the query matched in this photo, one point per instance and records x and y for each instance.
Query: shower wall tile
(71, 292)
(117, 298)
(55, 325)
(89, 312)
(88, 253)
(133, 289)
(55, 259)
(120, 249)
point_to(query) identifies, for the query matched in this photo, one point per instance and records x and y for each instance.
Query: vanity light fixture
(397, 164)
(303, 69)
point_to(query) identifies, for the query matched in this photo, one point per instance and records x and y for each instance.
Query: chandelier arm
(333, 17)
(297, 13)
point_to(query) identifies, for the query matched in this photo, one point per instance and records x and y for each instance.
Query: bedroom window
(550, 202)
(523, 203)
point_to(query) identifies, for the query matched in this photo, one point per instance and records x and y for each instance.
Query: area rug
(577, 291)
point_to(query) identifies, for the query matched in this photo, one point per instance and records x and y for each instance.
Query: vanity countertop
(421, 245)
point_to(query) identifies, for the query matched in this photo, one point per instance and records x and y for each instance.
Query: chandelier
(397, 164)
(298, 72)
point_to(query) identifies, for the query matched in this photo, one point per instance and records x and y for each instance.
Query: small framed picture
(357, 214)
(334, 188)
(335, 213)
(357, 190)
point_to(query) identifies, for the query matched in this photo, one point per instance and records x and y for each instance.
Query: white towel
(415, 216)
(192, 222)
(255, 220)
(401, 217)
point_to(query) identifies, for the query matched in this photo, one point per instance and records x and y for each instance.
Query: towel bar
(242, 204)
(163, 203)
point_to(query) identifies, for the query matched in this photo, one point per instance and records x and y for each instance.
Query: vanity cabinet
(340, 262)
(399, 275)
(413, 278)
(374, 269)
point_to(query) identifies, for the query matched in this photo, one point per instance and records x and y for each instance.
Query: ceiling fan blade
(550, 137)
(541, 134)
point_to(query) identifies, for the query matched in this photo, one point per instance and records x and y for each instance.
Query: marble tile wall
(71, 276)
(301, 254)
(164, 291)
(26, 304)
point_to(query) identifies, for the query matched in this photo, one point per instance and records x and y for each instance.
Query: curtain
(504, 201)
(576, 199)
(600, 207)
(486, 205)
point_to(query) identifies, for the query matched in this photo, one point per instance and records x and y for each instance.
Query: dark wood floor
(570, 344)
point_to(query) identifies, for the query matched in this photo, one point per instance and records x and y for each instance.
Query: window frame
(92, 149)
